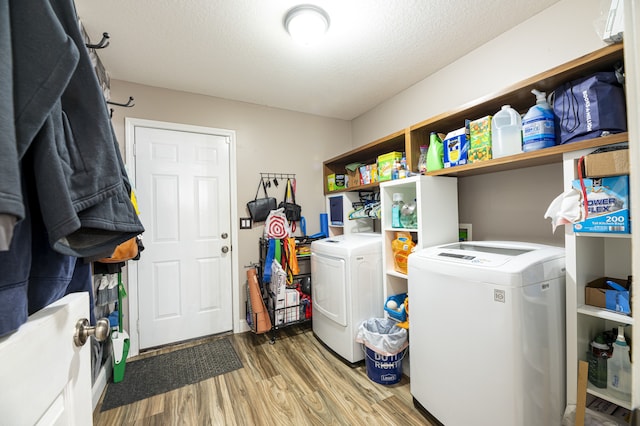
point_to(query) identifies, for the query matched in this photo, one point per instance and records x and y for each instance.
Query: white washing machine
(347, 289)
(487, 324)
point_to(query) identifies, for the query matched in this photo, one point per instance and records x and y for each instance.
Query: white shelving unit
(437, 207)
(588, 257)
(348, 226)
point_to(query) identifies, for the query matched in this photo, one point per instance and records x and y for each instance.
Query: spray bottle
(619, 367)
(538, 130)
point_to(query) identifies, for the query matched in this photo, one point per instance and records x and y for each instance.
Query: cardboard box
(292, 302)
(353, 178)
(599, 293)
(456, 147)
(386, 163)
(340, 181)
(365, 175)
(331, 182)
(608, 205)
(480, 140)
(604, 164)
(373, 172)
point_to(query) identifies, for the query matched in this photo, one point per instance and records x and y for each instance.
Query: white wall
(267, 140)
(500, 204)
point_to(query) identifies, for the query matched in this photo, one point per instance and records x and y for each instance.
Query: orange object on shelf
(402, 246)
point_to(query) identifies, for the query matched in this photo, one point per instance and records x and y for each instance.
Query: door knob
(224, 235)
(225, 249)
(84, 330)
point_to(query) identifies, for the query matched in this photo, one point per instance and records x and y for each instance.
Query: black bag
(259, 208)
(291, 209)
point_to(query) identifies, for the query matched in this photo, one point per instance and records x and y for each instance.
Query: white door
(184, 274)
(329, 289)
(46, 379)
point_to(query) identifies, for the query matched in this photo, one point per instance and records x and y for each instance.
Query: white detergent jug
(506, 132)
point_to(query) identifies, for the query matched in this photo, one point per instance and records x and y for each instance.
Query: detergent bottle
(396, 209)
(538, 130)
(619, 367)
(506, 132)
(435, 153)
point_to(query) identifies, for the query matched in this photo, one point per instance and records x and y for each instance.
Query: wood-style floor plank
(295, 381)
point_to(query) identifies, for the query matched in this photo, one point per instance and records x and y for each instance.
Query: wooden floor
(295, 381)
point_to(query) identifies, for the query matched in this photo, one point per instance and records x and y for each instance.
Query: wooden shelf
(518, 96)
(529, 159)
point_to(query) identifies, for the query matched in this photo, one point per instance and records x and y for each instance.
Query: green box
(385, 164)
(331, 182)
(480, 140)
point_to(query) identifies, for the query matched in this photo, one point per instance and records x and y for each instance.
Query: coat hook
(129, 103)
(101, 44)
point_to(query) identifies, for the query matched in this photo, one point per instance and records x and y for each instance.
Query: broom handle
(119, 302)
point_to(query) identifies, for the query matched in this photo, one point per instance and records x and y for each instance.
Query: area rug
(162, 373)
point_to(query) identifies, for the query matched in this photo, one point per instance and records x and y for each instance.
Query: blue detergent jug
(538, 130)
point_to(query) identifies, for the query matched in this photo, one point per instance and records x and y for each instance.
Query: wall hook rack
(104, 42)
(268, 176)
(129, 103)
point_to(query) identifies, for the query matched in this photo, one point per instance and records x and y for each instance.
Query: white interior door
(46, 379)
(184, 274)
(329, 289)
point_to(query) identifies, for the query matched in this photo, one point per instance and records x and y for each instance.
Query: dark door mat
(163, 373)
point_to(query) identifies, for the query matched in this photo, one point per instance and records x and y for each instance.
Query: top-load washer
(346, 290)
(488, 333)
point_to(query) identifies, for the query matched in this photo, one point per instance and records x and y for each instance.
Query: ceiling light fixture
(306, 23)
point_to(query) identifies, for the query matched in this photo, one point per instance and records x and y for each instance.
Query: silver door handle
(84, 330)
(225, 249)
(224, 235)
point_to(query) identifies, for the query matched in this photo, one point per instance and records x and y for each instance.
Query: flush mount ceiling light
(306, 23)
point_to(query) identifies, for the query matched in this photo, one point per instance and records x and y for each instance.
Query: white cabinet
(588, 257)
(339, 208)
(437, 214)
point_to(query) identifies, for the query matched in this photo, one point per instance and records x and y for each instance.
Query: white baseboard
(101, 381)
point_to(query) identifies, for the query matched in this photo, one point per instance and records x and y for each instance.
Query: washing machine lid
(492, 254)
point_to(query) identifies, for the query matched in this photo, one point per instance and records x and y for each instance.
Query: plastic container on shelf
(422, 161)
(396, 209)
(538, 129)
(597, 357)
(506, 132)
(435, 153)
(619, 367)
(409, 215)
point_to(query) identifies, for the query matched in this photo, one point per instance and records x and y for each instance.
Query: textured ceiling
(239, 50)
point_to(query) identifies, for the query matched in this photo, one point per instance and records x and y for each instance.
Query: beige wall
(267, 140)
(507, 205)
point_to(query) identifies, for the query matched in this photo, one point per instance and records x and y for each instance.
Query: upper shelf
(518, 96)
(529, 159)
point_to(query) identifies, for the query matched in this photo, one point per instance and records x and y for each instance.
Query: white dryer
(488, 333)
(347, 289)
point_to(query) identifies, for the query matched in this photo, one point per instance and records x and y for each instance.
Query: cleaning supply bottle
(409, 215)
(506, 132)
(619, 367)
(435, 153)
(538, 130)
(422, 161)
(597, 357)
(396, 209)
